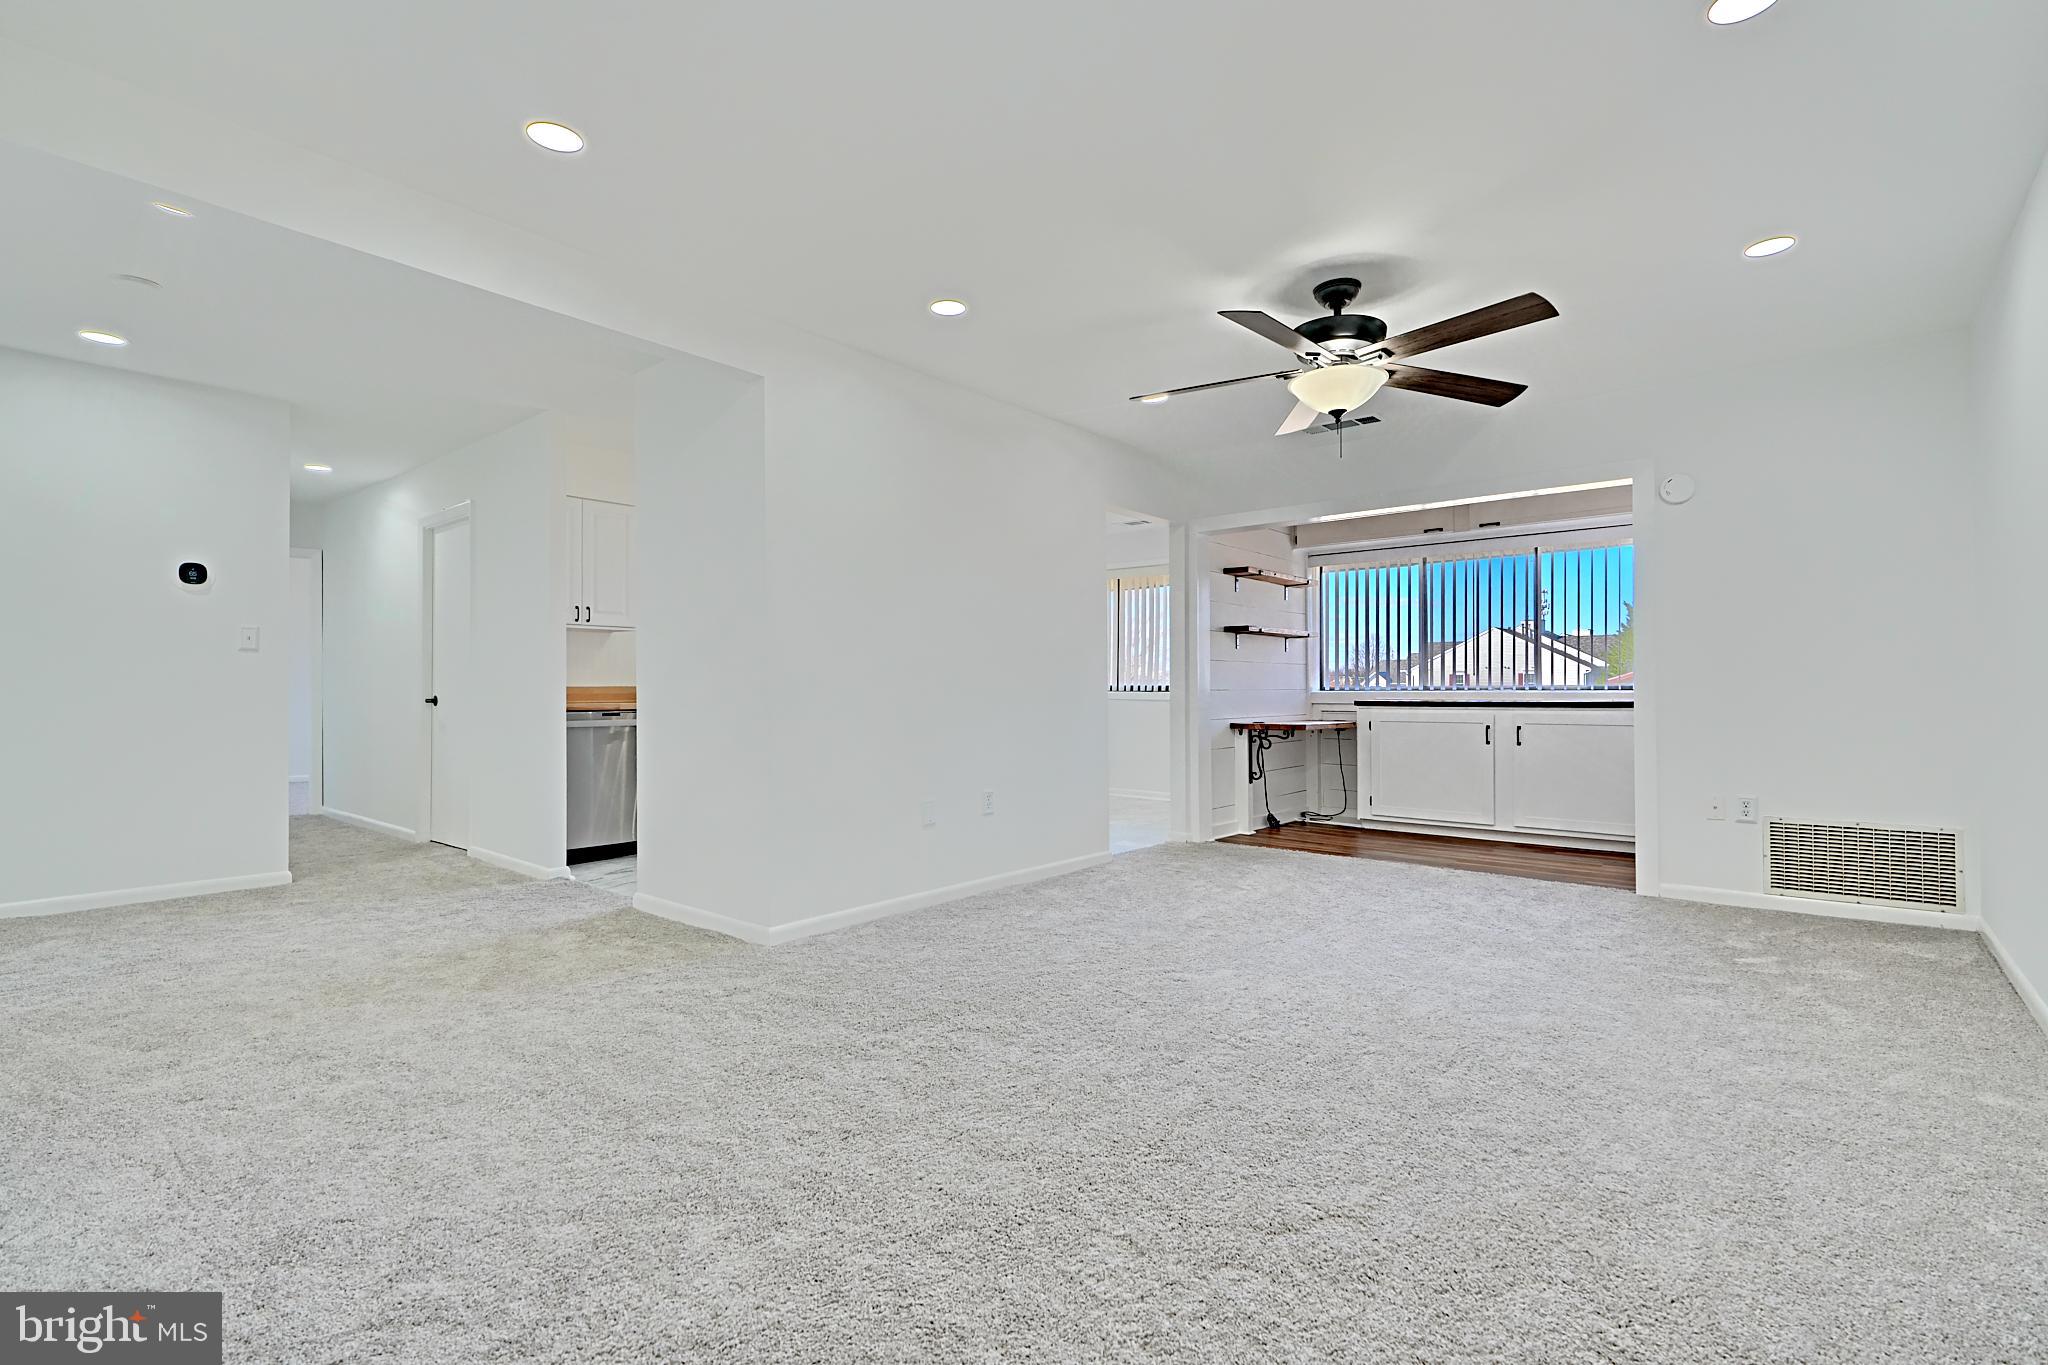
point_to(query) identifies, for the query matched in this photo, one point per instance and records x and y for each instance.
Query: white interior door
(1571, 774)
(607, 563)
(1435, 766)
(448, 685)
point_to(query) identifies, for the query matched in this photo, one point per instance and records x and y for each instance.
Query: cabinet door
(572, 585)
(1433, 766)
(1571, 774)
(608, 564)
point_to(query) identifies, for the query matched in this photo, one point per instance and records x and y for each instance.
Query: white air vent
(1878, 864)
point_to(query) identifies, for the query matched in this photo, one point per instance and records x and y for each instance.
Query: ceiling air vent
(1876, 864)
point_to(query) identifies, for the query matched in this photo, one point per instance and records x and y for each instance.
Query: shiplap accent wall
(1254, 678)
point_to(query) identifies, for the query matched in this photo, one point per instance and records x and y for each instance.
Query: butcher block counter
(604, 699)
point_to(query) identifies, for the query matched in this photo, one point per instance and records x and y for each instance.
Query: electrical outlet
(928, 811)
(1717, 809)
(988, 803)
(252, 639)
(1747, 809)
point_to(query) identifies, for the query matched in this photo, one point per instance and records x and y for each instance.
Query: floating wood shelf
(1239, 632)
(1256, 575)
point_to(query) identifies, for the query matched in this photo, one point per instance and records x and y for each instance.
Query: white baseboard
(860, 914)
(520, 865)
(2029, 995)
(365, 822)
(1800, 905)
(141, 895)
(1140, 796)
(701, 919)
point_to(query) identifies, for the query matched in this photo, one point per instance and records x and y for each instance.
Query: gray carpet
(1202, 1103)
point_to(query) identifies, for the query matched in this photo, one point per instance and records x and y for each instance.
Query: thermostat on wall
(191, 574)
(1676, 489)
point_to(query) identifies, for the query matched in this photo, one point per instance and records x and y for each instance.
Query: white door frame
(447, 516)
(316, 782)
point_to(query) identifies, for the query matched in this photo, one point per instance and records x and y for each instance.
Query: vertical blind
(1138, 618)
(1534, 617)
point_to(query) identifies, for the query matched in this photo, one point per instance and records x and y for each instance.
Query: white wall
(1254, 678)
(867, 673)
(376, 737)
(144, 750)
(2012, 804)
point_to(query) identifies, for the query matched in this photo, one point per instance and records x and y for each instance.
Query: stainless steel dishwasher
(604, 784)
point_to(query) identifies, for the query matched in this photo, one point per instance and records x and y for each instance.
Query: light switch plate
(928, 811)
(252, 639)
(1717, 809)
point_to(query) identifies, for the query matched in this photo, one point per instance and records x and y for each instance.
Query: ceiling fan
(1344, 359)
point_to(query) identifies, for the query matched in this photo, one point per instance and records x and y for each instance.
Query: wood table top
(1294, 725)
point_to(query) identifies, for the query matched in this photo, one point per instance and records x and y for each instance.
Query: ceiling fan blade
(1480, 322)
(1273, 330)
(1219, 384)
(1495, 393)
(1302, 418)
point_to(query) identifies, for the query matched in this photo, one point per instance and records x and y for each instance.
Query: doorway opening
(1139, 603)
(449, 698)
(303, 784)
(602, 685)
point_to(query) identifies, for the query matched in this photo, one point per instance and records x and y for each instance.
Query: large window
(1139, 603)
(1543, 614)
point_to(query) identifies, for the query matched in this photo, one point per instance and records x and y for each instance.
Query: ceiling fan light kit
(1337, 389)
(1343, 359)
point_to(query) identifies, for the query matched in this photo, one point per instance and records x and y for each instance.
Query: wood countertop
(604, 699)
(1293, 725)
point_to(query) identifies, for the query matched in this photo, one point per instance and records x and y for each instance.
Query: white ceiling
(384, 366)
(1097, 179)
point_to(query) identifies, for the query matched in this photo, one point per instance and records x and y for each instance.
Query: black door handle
(432, 701)
(1489, 734)
(1518, 736)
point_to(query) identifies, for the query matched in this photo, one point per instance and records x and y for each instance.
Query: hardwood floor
(1589, 867)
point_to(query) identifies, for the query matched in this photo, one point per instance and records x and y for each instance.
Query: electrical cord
(1344, 781)
(1259, 741)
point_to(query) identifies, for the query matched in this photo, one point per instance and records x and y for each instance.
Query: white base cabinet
(1553, 770)
(1436, 767)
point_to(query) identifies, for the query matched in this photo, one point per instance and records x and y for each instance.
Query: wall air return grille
(1876, 864)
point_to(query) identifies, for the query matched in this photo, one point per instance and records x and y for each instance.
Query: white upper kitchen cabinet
(1432, 764)
(603, 592)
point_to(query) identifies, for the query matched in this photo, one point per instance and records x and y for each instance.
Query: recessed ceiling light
(556, 137)
(1154, 397)
(1770, 246)
(1735, 11)
(948, 308)
(143, 281)
(99, 338)
(161, 207)
(319, 468)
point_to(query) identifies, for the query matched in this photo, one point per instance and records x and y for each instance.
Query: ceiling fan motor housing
(1342, 332)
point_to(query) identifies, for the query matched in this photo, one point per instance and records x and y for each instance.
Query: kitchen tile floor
(620, 876)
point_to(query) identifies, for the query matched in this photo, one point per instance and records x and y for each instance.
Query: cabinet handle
(1518, 736)
(1489, 734)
